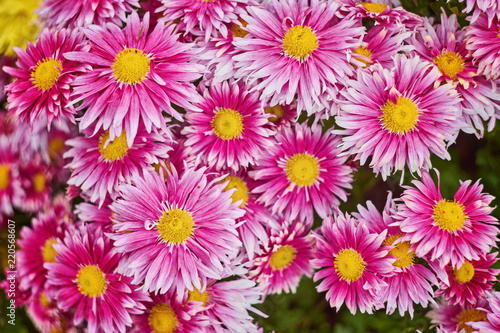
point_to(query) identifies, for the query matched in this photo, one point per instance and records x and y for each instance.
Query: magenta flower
(11, 192)
(492, 321)
(458, 319)
(484, 44)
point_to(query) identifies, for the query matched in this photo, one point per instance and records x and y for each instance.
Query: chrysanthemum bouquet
(175, 165)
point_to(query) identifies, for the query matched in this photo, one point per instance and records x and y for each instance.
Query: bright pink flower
(484, 44)
(11, 192)
(492, 321)
(457, 319)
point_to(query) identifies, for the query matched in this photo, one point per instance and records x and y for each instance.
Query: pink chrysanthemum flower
(490, 7)
(84, 278)
(284, 259)
(447, 231)
(36, 178)
(45, 78)
(36, 247)
(470, 281)
(167, 313)
(211, 17)
(45, 315)
(187, 224)
(457, 319)
(89, 212)
(491, 323)
(352, 263)
(11, 192)
(283, 115)
(484, 44)
(397, 117)
(230, 131)
(444, 45)
(227, 304)
(296, 48)
(136, 74)
(81, 13)
(411, 282)
(99, 165)
(302, 172)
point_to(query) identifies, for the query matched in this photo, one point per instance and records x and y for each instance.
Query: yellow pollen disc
(300, 42)
(349, 265)
(116, 149)
(238, 31)
(465, 273)
(450, 64)
(175, 226)
(91, 281)
(401, 117)
(302, 169)
(362, 50)
(227, 124)
(162, 319)
(402, 251)
(196, 296)
(374, 7)
(48, 252)
(46, 73)
(131, 66)
(470, 315)
(241, 192)
(56, 145)
(39, 182)
(282, 258)
(276, 110)
(44, 300)
(4, 176)
(449, 215)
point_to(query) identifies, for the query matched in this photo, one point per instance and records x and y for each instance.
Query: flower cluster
(206, 149)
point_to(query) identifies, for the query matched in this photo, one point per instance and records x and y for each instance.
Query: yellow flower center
(241, 192)
(402, 251)
(276, 110)
(56, 145)
(349, 265)
(238, 31)
(362, 50)
(196, 296)
(450, 64)
(282, 257)
(4, 176)
(91, 281)
(131, 66)
(175, 226)
(116, 149)
(227, 124)
(300, 42)
(162, 319)
(48, 252)
(39, 182)
(470, 315)
(449, 215)
(302, 169)
(46, 73)
(374, 7)
(400, 117)
(44, 300)
(465, 273)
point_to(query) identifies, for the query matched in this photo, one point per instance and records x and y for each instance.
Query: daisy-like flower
(166, 313)
(80, 13)
(99, 165)
(36, 179)
(296, 48)
(230, 131)
(285, 257)
(227, 304)
(18, 24)
(210, 17)
(447, 231)
(45, 314)
(302, 172)
(397, 117)
(183, 234)
(136, 75)
(45, 78)
(457, 319)
(411, 282)
(352, 263)
(444, 45)
(11, 192)
(492, 321)
(83, 277)
(490, 7)
(36, 248)
(484, 44)
(470, 281)
(284, 115)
